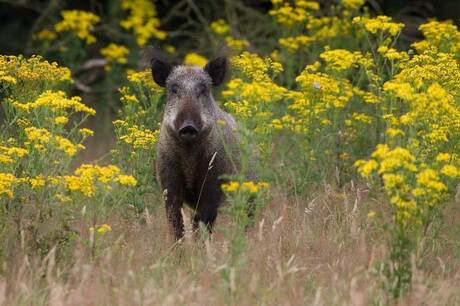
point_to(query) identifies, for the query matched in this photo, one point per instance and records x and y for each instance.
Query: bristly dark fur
(183, 165)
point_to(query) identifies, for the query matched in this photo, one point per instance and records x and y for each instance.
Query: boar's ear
(160, 71)
(216, 69)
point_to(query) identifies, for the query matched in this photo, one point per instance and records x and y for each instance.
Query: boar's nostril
(188, 132)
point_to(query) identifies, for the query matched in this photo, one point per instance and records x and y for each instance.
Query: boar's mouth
(189, 135)
(188, 132)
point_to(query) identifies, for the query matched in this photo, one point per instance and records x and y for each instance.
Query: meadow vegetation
(358, 166)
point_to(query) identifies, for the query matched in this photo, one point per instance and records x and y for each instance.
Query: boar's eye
(174, 89)
(201, 89)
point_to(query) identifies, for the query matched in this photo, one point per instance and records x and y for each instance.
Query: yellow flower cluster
(39, 150)
(352, 4)
(16, 68)
(56, 102)
(250, 97)
(339, 60)
(379, 24)
(7, 182)
(323, 29)
(39, 135)
(80, 22)
(427, 85)
(137, 130)
(439, 36)
(38, 138)
(326, 91)
(292, 15)
(249, 186)
(223, 29)
(143, 20)
(115, 53)
(236, 44)
(392, 54)
(295, 42)
(88, 177)
(9, 154)
(411, 188)
(138, 137)
(254, 67)
(143, 79)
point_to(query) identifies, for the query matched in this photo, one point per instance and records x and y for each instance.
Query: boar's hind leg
(208, 205)
(207, 218)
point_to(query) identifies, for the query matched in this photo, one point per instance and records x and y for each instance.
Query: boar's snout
(188, 132)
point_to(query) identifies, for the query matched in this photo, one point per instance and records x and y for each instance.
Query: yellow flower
(295, 42)
(126, 180)
(391, 180)
(80, 22)
(7, 181)
(220, 27)
(340, 59)
(352, 4)
(37, 134)
(263, 185)
(195, 59)
(7, 153)
(249, 186)
(170, 49)
(61, 120)
(362, 118)
(366, 168)
(37, 182)
(115, 53)
(143, 79)
(83, 184)
(140, 137)
(429, 179)
(46, 34)
(104, 228)
(55, 100)
(230, 186)
(379, 24)
(87, 179)
(450, 171)
(443, 157)
(142, 19)
(288, 15)
(392, 132)
(7, 78)
(66, 145)
(86, 132)
(63, 198)
(236, 44)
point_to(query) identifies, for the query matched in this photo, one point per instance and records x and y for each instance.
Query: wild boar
(192, 151)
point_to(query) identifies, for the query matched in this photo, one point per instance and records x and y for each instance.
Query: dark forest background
(20, 19)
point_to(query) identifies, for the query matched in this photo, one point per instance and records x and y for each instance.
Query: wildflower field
(356, 133)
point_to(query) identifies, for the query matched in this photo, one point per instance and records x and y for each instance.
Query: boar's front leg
(173, 213)
(173, 194)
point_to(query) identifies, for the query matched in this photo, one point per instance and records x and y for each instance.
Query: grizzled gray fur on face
(190, 138)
